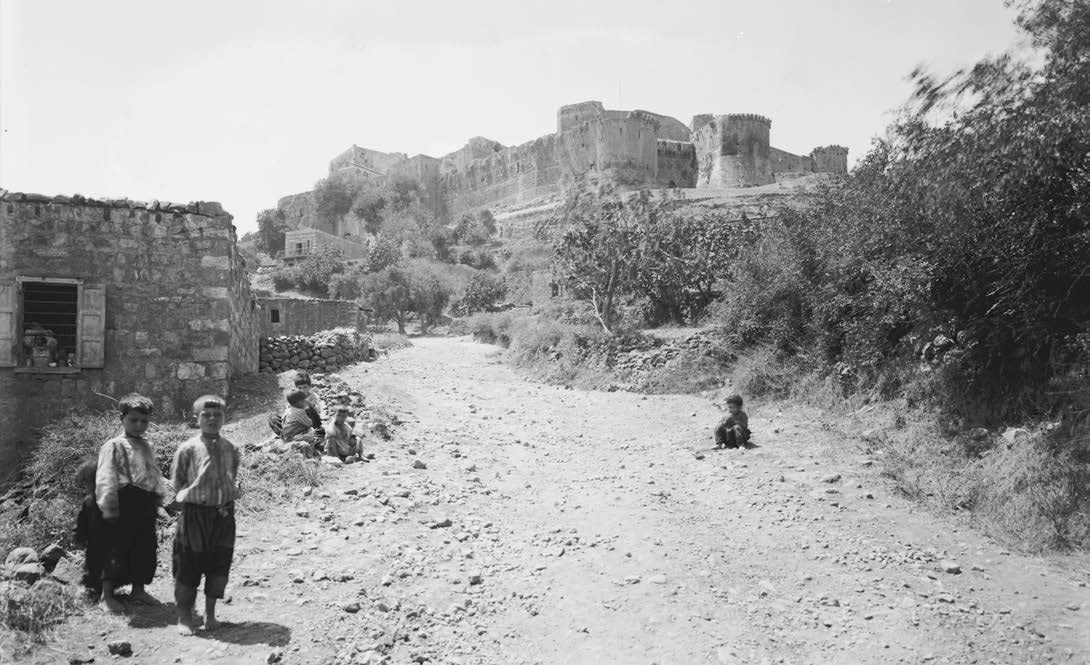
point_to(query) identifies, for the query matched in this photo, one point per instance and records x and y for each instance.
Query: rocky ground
(514, 522)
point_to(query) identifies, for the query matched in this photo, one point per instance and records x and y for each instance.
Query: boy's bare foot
(144, 598)
(112, 605)
(212, 624)
(187, 625)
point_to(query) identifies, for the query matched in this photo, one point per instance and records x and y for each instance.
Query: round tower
(743, 149)
(830, 159)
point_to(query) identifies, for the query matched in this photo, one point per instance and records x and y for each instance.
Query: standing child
(89, 532)
(340, 440)
(129, 490)
(205, 473)
(733, 431)
(302, 382)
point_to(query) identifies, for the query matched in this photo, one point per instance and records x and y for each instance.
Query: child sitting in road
(340, 440)
(733, 431)
(296, 424)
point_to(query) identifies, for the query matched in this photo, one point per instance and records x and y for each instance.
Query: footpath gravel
(515, 522)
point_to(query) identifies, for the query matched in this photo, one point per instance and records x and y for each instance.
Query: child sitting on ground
(89, 532)
(205, 472)
(733, 431)
(340, 440)
(296, 424)
(130, 490)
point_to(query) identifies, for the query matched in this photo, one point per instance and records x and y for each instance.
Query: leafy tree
(335, 196)
(429, 294)
(271, 227)
(389, 293)
(595, 250)
(384, 253)
(482, 293)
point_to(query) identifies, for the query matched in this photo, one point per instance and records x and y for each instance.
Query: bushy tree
(482, 293)
(335, 196)
(271, 227)
(429, 294)
(595, 249)
(968, 220)
(384, 253)
(389, 293)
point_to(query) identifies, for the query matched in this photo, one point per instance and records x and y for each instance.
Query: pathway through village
(551, 525)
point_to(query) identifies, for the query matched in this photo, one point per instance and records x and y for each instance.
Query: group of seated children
(125, 494)
(301, 422)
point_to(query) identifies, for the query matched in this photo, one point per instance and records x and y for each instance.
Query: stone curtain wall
(676, 164)
(511, 175)
(177, 317)
(320, 352)
(633, 148)
(305, 317)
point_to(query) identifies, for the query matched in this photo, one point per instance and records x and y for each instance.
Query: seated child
(302, 382)
(129, 490)
(296, 424)
(733, 431)
(89, 532)
(340, 440)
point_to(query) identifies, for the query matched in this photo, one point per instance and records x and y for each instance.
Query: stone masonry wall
(321, 352)
(676, 164)
(177, 315)
(305, 317)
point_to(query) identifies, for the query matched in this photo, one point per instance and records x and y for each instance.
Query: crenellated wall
(676, 164)
(512, 175)
(733, 151)
(632, 148)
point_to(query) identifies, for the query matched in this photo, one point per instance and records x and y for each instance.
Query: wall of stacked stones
(320, 352)
(177, 312)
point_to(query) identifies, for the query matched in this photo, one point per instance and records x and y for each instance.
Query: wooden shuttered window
(92, 326)
(9, 323)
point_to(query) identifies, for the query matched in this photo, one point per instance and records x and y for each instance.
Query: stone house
(105, 297)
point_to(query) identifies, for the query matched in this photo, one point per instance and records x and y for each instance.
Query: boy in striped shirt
(205, 474)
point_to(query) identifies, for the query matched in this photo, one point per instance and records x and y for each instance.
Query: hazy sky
(245, 102)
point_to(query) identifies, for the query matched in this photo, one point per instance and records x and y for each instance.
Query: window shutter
(8, 333)
(92, 325)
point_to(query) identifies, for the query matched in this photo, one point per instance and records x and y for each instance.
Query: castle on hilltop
(630, 148)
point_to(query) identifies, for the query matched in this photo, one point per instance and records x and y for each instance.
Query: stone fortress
(634, 149)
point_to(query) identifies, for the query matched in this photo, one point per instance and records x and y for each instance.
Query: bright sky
(243, 102)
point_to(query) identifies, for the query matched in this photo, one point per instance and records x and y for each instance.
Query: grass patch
(28, 615)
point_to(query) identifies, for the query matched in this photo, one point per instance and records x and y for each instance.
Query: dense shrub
(481, 294)
(963, 239)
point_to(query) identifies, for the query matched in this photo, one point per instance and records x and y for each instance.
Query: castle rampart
(633, 148)
(733, 151)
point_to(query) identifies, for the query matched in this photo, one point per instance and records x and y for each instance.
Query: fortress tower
(733, 151)
(620, 145)
(830, 159)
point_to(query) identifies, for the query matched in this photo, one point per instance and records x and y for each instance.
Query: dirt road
(559, 526)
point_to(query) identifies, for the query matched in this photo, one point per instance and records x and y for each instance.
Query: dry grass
(390, 341)
(28, 615)
(1025, 492)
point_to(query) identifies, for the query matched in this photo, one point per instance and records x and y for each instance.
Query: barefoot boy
(205, 474)
(340, 440)
(733, 431)
(129, 490)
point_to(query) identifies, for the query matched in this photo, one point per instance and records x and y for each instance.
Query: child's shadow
(243, 632)
(749, 445)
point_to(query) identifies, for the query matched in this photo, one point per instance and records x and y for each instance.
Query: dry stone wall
(321, 352)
